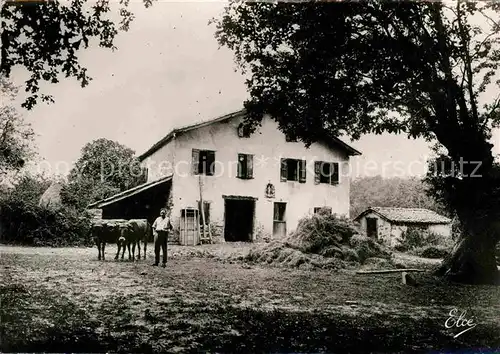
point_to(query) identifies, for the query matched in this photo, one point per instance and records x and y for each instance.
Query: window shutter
(239, 173)
(210, 163)
(195, 161)
(249, 166)
(284, 171)
(302, 171)
(334, 179)
(317, 172)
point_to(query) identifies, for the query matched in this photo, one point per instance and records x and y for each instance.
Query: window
(243, 130)
(245, 166)
(293, 170)
(203, 162)
(326, 172)
(323, 210)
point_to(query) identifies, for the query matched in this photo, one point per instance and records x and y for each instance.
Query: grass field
(65, 300)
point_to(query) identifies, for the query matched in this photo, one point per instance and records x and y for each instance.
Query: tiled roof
(173, 133)
(408, 215)
(128, 193)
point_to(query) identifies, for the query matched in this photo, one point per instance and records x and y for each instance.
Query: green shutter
(302, 171)
(283, 171)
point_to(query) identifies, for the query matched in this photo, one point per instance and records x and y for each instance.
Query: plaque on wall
(270, 193)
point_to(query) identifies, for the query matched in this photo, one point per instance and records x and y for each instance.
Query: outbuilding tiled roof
(408, 215)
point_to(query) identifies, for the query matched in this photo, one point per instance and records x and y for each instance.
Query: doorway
(371, 227)
(279, 220)
(238, 219)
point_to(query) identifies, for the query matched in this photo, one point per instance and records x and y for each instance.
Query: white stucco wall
(161, 162)
(391, 233)
(441, 229)
(267, 145)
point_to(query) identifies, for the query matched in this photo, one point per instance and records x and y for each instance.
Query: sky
(169, 71)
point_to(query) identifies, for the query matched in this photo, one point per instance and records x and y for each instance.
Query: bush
(26, 223)
(415, 238)
(432, 252)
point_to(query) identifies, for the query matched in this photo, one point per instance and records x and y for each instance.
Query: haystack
(320, 241)
(52, 196)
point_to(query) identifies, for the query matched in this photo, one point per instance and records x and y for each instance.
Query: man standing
(161, 227)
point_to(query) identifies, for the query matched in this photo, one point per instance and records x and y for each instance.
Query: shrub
(367, 247)
(414, 238)
(432, 252)
(25, 223)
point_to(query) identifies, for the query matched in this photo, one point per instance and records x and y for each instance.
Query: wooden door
(189, 227)
(279, 220)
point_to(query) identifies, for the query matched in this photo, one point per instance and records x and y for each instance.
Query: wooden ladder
(205, 232)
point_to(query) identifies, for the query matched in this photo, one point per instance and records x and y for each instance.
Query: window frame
(248, 166)
(334, 173)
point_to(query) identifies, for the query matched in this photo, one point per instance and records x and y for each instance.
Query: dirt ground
(64, 299)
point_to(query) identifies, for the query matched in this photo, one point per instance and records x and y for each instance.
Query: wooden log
(384, 271)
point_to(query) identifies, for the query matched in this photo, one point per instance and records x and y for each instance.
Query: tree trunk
(472, 260)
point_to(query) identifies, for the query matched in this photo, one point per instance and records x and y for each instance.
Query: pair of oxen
(124, 233)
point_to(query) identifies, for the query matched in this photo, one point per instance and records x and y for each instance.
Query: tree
(105, 168)
(16, 136)
(29, 188)
(45, 38)
(418, 68)
(391, 192)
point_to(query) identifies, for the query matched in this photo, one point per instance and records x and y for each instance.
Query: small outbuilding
(388, 224)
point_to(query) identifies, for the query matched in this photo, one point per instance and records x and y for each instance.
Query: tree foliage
(391, 192)
(16, 136)
(105, 168)
(45, 38)
(426, 69)
(352, 68)
(29, 188)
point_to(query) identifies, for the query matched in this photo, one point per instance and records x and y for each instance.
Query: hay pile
(321, 241)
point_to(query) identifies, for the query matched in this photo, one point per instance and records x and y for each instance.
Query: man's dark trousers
(161, 238)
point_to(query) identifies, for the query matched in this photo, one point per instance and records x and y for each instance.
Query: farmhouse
(224, 183)
(388, 224)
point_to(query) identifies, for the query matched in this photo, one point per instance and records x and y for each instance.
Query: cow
(137, 230)
(109, 231)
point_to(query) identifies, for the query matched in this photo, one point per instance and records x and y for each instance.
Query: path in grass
(200, 303)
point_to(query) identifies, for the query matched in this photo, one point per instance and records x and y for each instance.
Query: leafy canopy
(369, 67)
(45, 38)
(16, 135)
(105, 168)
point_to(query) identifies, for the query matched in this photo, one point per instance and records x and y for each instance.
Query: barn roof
(128, 193)
(407, 215)
(177, 131)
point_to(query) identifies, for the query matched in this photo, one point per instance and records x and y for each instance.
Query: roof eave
(128, 193)
(181, 130)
